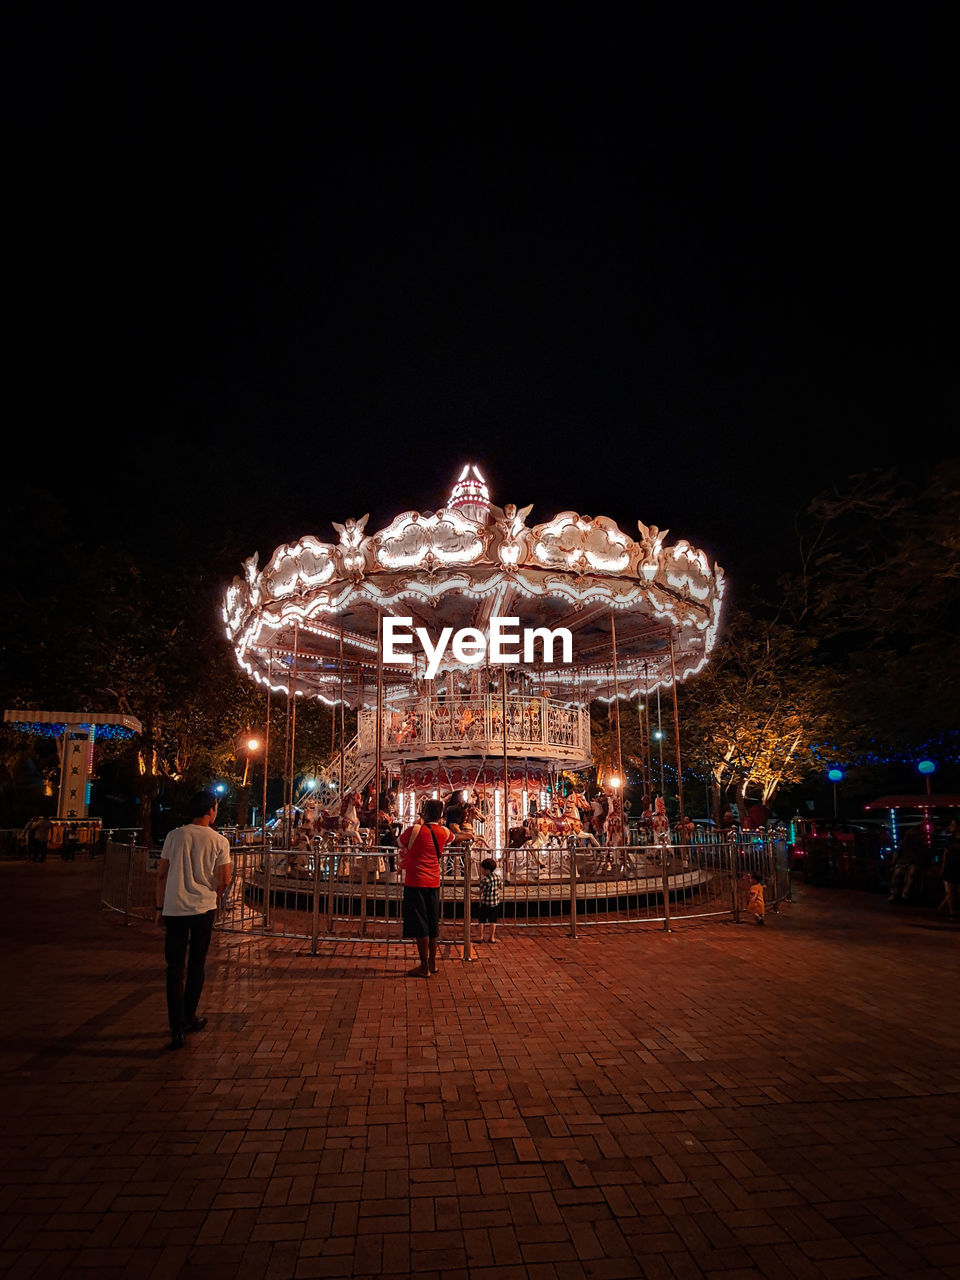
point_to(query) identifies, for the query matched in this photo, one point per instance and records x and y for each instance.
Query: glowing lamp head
(311, 784)
(220, 788)
(615, 782)
(253, 744)
(926, 767)
(835, 775)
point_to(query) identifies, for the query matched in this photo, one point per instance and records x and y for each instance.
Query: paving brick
(606, 1108)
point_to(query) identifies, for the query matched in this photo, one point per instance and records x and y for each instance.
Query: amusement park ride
(402, 625)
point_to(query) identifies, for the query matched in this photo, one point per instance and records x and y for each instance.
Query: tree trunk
(742, 800)
(716, 801)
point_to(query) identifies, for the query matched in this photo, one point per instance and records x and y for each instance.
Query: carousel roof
(291, 620)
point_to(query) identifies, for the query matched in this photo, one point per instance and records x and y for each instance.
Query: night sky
(264, 275)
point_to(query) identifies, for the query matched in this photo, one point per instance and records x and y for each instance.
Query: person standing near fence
(422, 845)
(192, 877)
(40, 838)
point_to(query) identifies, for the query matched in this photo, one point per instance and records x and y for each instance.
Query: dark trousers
(185, 950)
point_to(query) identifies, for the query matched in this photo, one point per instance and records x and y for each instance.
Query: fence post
(315, 930)
(330, 870)
(573, 891)
(467, 879)
(103, 879)
(666, 889)
(240, 874)
(127, 887)
(734, 880)
(267, 864)
(364, 873)
(771, 852)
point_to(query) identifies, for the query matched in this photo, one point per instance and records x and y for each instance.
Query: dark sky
(266, 275)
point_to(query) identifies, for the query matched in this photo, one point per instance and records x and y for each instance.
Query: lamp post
(835, 775)
(250, 746)
(926, 767)
(247, 744)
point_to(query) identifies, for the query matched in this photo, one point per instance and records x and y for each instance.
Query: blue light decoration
(944, 747)
(835, 775)
(926, 767)
(112, 732)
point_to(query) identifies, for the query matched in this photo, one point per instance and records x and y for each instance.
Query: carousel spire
(470, 495)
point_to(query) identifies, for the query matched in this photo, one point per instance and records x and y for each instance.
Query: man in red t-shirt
(422, 845)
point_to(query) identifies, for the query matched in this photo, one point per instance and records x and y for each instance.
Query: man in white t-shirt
(192, 877)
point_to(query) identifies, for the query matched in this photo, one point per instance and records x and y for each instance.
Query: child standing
(491, 899)
(755, 900)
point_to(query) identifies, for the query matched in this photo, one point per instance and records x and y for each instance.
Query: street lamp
(247, 744)
(926, 767)
(835, 775)
(250, 746)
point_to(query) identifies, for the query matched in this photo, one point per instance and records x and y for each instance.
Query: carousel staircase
(356, 772)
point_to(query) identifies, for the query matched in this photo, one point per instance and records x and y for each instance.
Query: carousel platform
(544, 895)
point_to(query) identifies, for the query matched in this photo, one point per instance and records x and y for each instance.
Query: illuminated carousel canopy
(313, 601)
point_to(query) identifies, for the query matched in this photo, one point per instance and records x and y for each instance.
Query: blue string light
(115, 732)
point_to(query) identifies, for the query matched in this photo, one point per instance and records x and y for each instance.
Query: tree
(751, 721)
(881, 567)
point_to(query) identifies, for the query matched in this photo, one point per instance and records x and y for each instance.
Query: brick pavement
(723, 1101)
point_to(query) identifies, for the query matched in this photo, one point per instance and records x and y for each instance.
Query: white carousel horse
(350, 818)
(525, 859)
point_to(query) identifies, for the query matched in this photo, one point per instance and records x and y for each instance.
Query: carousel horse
(311, 812)
(468, 831)
(660, 822)
(350, 817)
(464, 841)
(525, 845)
(571, 824)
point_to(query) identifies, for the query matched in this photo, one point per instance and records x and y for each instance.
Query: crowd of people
(42, 836)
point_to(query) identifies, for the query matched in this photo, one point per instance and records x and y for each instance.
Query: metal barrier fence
(357, 893)
(129, 880)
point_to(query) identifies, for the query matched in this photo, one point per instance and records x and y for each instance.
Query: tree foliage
(753, 717)
(879, 585)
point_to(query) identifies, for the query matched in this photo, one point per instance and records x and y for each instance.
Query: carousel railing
(352, 892)
(531, 724)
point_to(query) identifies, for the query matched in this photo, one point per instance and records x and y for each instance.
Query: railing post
(573, 891)
(666, 889)
(240, 876)
(331, 858)
(467, 878)
(127, 887)
(315, 931)
(364, 872)
(267, 868)
(734, 876)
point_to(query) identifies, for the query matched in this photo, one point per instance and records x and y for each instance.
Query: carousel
(471, 643)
